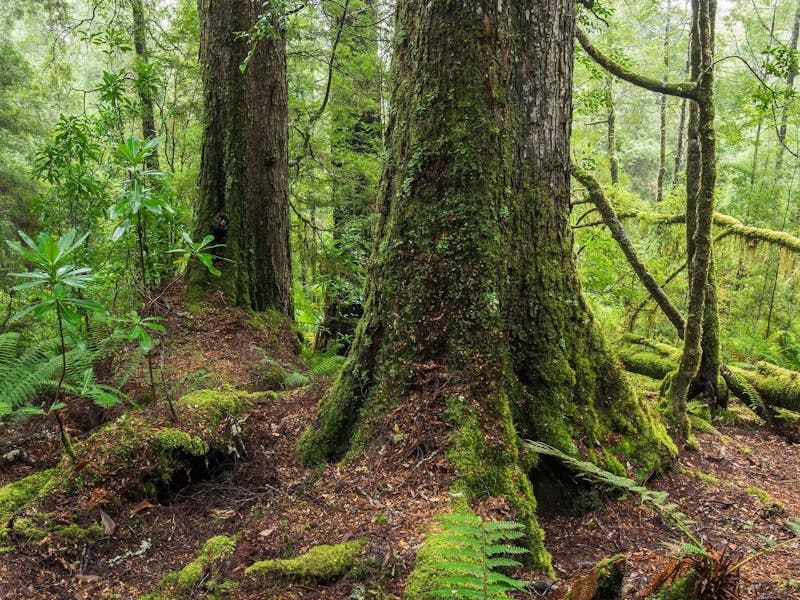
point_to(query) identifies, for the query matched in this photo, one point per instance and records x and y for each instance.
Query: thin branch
(618, 233)
(682, 90)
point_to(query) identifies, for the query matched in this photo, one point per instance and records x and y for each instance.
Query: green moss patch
(199, 574)
(321, 564)
(17, 494)
(35, 527)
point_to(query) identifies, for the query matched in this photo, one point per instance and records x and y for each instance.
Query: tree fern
(469, 553)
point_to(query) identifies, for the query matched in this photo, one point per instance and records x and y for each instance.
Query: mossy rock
(198, 574)
(321, 564)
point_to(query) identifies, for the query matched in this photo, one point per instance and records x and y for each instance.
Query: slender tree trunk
(244, 165)
(701, 180)
(679, 146)
(613, 157)
(474, 319)
(662, 146)
(142, 56)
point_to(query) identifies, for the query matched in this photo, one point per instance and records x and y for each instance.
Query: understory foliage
(466, 557)
(701, 572)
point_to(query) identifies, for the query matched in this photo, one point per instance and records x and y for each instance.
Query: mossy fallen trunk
(321, 564)
(766, 384)
(777, 386)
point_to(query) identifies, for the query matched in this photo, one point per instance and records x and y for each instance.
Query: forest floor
(739, 486)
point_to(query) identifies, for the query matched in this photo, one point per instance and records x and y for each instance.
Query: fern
(658, 501)
(469, 552)
(326, 364)
(27, 372)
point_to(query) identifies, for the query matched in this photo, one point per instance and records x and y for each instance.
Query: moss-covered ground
(163, 509)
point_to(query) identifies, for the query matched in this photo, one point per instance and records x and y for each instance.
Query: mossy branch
(729, 225)
(606, 210)
(681, 90)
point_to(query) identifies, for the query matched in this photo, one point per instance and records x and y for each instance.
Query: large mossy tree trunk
(244, 165)
(473, 310)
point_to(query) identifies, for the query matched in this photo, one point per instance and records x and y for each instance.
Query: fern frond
(468, 552)
(655, 500)
(494, 563)
(504, 549)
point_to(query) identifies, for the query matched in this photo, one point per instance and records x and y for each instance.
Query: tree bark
(244, 165)
(145, 96)
(473, 313)
(611, 144)
(662, 111)
(700, 213)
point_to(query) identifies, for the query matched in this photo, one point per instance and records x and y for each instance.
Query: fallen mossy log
(647, 357)
(777, 386)
(742, 389)
(777, 419)
(773, 385)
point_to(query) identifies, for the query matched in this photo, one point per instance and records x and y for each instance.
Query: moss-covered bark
(473, 307)
(243, 196)
(701, 328)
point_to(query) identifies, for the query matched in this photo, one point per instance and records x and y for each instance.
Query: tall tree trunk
(473, 313)
(679, 145)
(355, 116)
(611, 143)
(145, 96)
(701, 180)
(244, 165)
(662, 111)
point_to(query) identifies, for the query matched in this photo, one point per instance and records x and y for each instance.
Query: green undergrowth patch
(136, 456)
(201, 577)
(143, 446)
(462, 557)
(321, 564)
(17, 494)
(700, 425)
(34, 526)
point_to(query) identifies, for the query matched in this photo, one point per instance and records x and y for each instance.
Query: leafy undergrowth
(196, 533)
